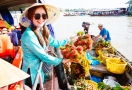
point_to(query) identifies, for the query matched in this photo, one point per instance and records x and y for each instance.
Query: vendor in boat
(103, 33)
(35, 40)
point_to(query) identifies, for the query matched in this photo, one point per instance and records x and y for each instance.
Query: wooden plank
(128, 76)
(99, 68)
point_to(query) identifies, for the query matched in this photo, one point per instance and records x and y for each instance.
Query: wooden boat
(70, 14)
(124, 79)
(75, 14)
(108, 12)
(101, 71)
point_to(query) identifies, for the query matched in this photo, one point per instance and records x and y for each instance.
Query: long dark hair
(45, 32)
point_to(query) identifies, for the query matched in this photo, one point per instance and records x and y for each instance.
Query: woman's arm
(97, 36)
(104, 36)
(57, 43)
(32, 43)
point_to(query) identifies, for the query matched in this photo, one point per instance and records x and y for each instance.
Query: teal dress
(34, 53)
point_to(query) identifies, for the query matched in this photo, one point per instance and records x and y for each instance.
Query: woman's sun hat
(10, 74)
(53, 14)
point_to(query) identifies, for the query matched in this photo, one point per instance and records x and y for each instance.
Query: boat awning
(15, 4)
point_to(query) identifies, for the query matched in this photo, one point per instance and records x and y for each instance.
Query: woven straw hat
(53, 14)
(10, 74)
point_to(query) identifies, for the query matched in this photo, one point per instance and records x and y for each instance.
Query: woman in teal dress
(35, 39)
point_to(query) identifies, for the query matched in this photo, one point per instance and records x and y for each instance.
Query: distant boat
(108, 12)
(70, 14)
(75, 14)
(82, 13)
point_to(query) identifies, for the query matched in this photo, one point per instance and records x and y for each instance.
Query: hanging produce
(76, 54)
(80, 65)
(85, 41)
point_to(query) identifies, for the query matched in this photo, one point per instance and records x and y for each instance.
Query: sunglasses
(38, 16)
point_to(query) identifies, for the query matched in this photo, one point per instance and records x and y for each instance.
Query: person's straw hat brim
(53, 14)
(10, 74)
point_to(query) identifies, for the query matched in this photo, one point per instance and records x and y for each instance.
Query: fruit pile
(80, 70)
(82, 84)
(111, 55)
(80, 64)
(105, 46)
(74, 53)
(85, 41)
(111, 50)
(102, 43)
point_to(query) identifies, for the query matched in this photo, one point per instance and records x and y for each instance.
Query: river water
(120, 28)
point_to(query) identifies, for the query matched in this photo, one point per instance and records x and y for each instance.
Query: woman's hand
(66, 61)
(73, 38)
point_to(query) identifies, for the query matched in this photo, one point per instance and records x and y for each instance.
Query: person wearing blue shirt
(36, 39)
(104, 33)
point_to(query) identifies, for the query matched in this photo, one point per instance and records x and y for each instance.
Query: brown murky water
(120, 28)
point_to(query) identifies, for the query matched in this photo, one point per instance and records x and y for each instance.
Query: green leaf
(117, 85)
(125, 89)
(101, 85)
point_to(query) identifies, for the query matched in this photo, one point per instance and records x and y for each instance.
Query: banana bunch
(85, 65)
(80, 70)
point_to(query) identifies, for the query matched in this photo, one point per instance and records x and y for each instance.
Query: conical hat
(53, 14)
(10, 74)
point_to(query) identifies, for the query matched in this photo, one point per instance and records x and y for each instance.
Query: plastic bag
(96, 79)
(93, 62)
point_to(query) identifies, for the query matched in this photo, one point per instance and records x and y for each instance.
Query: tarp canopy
(15, 4)
(6, 15)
